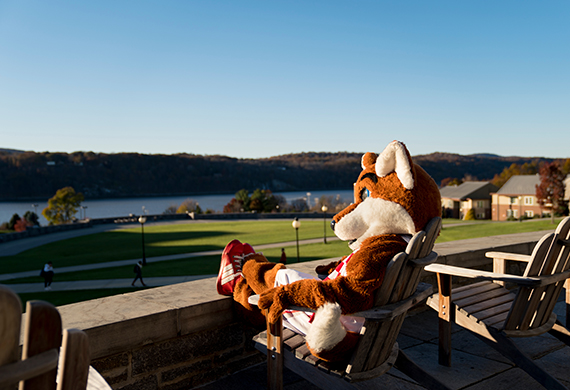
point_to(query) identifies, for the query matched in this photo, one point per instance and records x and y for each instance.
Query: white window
(509, 213)
(528, 200)
(529, 213)
(480, 216)
(480, 204)
(513, 200)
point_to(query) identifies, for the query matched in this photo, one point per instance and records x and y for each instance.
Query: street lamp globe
(142, 220)
(296, 223)
(324, 208)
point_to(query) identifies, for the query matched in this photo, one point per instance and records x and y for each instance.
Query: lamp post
(324, 208)
(142, 220)
(520, 208)
(297, 225)
(35, 206)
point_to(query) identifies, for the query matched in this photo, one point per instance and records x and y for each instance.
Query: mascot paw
(275, 301)
(327, 339)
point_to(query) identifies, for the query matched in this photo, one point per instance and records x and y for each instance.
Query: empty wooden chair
(377, 350)
(44, 346)
(495, 314)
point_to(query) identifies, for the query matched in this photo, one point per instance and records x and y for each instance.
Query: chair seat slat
(496, 310)
(473, 286)
(477, 298)
(294, 342)
(488, 304)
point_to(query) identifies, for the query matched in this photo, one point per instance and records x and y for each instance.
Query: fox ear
(368, 159)
(396, 158)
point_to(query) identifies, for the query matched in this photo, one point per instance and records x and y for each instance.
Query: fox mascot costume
(393, 199)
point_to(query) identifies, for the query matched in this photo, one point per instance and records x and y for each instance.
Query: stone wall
(185, 335)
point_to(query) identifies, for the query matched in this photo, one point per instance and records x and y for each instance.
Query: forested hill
(25, 175)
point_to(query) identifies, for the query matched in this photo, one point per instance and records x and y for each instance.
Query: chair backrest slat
(400, 281)
(392, 272)
(533, 306)
(75, 360)
(10, 320)
(561, 247)
(42, 333)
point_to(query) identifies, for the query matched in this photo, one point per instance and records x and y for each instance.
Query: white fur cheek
(326, 331)
(372, 217)
(352, 225)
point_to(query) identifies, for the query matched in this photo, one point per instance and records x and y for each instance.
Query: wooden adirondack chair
(494, 313)
(377, 350)
(41, 350)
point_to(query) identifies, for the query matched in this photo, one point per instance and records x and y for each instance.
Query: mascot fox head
(392, 195)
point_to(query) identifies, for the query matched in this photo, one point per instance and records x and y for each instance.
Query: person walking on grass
(47, 274)
(138, 271)
(283, 259)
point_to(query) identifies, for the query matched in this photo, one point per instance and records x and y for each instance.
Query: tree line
(28, 175)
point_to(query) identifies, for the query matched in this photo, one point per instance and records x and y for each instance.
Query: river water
(105, 208)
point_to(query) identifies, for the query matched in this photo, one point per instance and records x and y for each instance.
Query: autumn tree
(234, 206)
(449, 181)
(514, 170)
(63, 206)
(566, 167)
(550, 191)
(470, 215)
(21, 225)
(189, 206)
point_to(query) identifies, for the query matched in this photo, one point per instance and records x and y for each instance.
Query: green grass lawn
(486, 229)
(160, 240)
(203, 265)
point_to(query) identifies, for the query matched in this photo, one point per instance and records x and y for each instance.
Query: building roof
(520, 185)
(469, 190)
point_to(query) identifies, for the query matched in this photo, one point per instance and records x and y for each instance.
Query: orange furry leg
(258, 276)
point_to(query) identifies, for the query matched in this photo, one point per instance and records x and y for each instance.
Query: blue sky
(263, 78)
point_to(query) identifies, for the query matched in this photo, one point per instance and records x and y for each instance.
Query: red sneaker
(230, 267)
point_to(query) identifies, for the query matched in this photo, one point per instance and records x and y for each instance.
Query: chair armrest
(393, 310)
(254, 300)
(508, 256)
(485, 275)
(378, 313)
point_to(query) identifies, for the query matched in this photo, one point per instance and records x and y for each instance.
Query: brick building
(456, 201)
(517, 197)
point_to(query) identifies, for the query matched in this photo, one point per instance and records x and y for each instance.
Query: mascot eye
(364, 194)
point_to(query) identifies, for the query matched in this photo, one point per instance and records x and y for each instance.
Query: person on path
(283, 259)
(138, 271)
(47, 274)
